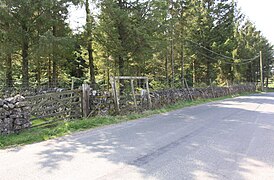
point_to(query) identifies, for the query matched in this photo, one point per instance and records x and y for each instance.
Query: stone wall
(103, 104)
(15, 112)
(14, 115)
(167, 97)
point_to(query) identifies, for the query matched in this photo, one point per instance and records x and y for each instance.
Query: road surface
(231, 139)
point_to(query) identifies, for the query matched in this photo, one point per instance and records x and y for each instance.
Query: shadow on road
(231, 139)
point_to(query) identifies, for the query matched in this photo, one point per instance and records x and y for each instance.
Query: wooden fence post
(72, 83)
(148, 94)
(114, 92)
(133, 93)
(85, 100)
(212, 89)
(189, 93)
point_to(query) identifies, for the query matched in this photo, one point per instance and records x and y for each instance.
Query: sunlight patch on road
(250, 168)
(200, 174)
(248, 106)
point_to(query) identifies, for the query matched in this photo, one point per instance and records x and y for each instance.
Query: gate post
(148, 94)
(85, 100)
(115, 95)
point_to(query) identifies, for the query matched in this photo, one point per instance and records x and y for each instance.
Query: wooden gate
(51, 108)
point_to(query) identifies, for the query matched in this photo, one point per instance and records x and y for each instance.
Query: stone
(20, 104)
(11, 100)
(8, 120)
(17, 127)
(11, 106)
(19, 121)
(26, 109)
(6, 107)
(14, 115)
(1, 102)
(19, 98)
(26, 125)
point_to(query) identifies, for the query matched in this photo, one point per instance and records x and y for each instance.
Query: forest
(171, 42)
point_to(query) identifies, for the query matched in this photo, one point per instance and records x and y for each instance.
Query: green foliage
(133, 38)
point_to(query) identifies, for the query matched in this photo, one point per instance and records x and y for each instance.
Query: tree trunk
(172, 46)
(54, 72)
(9, 80)
(182, 39)
(267, 72)
(172, 63)
(182, 66)
(121, 73)
(252, 78)
(122, 34)
(38, 73)
(54, 59)
(25, 56)
(166, 68)
(257, 75)
(49, 72)
(208, 72)
(267, 82)
(108, 79)
(89, 46)
(193, 73)
(91, 66)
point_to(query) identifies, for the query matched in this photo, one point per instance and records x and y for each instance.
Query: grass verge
(41, 134)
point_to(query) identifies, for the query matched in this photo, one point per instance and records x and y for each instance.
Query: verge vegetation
(42, 134)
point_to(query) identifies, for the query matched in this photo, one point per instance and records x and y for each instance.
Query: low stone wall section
(104, 104)
(14, 115)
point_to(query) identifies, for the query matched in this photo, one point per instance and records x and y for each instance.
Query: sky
(260, 12)
(76, 17)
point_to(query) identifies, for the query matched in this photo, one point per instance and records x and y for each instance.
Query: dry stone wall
(14, 115)
(15, 112)
(166, 97)
(104, 104)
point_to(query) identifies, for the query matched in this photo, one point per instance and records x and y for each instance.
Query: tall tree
(89, 37)
(23, 22)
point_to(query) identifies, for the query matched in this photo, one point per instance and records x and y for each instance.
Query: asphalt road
(231, 139)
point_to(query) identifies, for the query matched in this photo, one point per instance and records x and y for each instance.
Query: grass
(270, 90)
(271, 85)
(41, 134)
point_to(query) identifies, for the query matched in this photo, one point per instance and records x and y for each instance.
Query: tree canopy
(170, 41)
